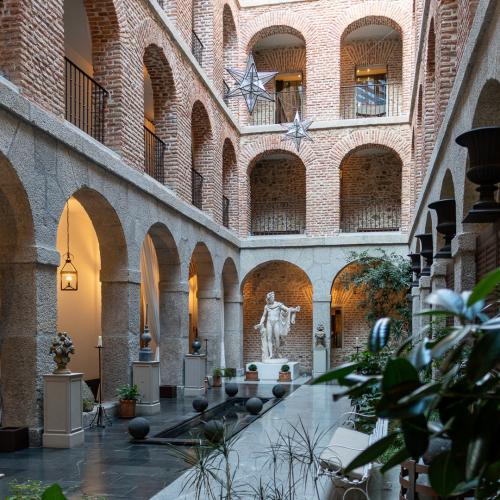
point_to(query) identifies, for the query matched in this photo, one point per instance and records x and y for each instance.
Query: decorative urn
(484, 170)
(426, 252)
(446, 225)
(145, 352)
(196, 346)
(415, 267)
(61, 348)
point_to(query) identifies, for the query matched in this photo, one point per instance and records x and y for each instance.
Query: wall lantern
(484, 170)
(446, 225)
(69, 274)
(415, 267)
(426, 252)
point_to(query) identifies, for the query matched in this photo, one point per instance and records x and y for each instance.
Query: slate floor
(108, 464)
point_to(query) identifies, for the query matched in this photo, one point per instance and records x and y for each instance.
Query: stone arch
(429, 118)
(229, 38)
(202, 42)
(160, 157)
(292, 287)
(447, 186)
(419, 156)
(229, 185)
(487, 110)
(202, 158)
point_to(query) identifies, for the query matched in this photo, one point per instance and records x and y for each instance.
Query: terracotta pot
(252, 376)
(216, 381)
(285, 377)
(127, 408)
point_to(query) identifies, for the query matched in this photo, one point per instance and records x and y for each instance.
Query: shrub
(229, 372)
(252, 368)
(217, 372)
(285, 368)
(128, 392)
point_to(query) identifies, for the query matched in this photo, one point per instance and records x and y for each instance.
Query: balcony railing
(196, 189)
(85, 101)
(372, 218)
(277, 218)
(225, 211)
(154, 156)
(282, 110)
(197, 48)
(370, 100)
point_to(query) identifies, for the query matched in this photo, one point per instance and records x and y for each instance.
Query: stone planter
(285, 377)
(253, 376)
(13, 438)
(127, 408)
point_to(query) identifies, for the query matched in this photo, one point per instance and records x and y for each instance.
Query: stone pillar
(322, 315)
(233, 330)
(209, 324)
(146, 374)
(425, 290)
(174, 331)
(120, 330)
(415, 320)
(438, 274)
(463, 249)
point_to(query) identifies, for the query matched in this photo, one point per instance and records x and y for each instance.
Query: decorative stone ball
(138, 428)
(231, 389)
(279, 391)
(214, 430)
(253, 406)
(200, 404)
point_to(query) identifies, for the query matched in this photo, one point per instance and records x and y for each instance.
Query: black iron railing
(226, 90)
(154, 156)
(372, 218)
(196, 189)
(85, 101)
(370, 100)
(282, 110)
(197, 47)
(225, 211)
(278, 218)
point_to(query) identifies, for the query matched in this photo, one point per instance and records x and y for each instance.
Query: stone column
(424, 289)
(233, 330)
(322, 315)
(415, 320)
(120, 330)
(463, 249)
(209, 324)
(438, 274)
(174, 331)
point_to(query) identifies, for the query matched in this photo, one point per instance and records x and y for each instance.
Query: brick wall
(292, 288)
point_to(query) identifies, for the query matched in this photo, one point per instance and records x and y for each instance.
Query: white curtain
(150, 293)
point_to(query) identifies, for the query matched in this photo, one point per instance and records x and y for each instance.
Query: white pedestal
(271, 371)
(194, 374)
(146, 374)
(62, 410)
(320, 357)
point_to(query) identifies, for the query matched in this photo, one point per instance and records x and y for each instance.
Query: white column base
(147, 408)
(54, 440)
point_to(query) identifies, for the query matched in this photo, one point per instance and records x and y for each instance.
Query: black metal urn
(446, 225)
(426, 252)
(483, 145)
(415, 267)
(196, 345)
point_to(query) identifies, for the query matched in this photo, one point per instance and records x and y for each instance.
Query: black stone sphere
(279, 391)
(138, 428)
(231, 389)
(214, 430)
(200, 404)
(253, 406)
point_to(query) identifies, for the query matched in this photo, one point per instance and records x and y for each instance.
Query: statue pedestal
(270, 370)
(146, 374)
(194, 374)
(62, 410)
(319, 362)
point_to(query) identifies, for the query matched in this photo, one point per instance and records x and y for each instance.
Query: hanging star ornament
(297, 131)
(250, 83)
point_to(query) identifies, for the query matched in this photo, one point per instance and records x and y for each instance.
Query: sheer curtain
(150, 293)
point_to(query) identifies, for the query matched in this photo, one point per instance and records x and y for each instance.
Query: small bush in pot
(217, 377)
(229, 372)
(128, 396)
(285, 374)
(252, 373)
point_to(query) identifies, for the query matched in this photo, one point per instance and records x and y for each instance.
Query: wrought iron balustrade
(282, 110)
(372, 218)
(196, 189)
(85, 101)
(225, 211)
(154, 156)
(278, 218)
(197, 47)
(370, 100)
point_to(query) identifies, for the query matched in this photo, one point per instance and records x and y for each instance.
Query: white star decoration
(250, 83)
(297, 131)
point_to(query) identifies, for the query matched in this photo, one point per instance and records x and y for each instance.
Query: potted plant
(128, 396)
(252, 373)
(229, 373)
(285, 375)
(217, 377)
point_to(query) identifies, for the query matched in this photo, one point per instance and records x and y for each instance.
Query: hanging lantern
(69, 274)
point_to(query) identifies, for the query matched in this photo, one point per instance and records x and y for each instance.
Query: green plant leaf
(491, 324)
(372, 452)
(53, 492)
(422, 392)
(336, 374)
(484, 287)
(484, 356)
(434, 312)
(448, 300)
(379, 334)
(398, 457)
(450, 341)
(444, 475)
(420, 356)
(477, 452)
(416, 435)
(398, 371)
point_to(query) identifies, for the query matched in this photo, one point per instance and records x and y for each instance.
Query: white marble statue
(274, 324)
